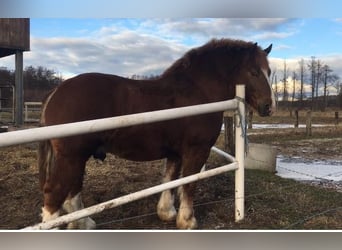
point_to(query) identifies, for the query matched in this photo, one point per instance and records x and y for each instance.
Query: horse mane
(217, 45)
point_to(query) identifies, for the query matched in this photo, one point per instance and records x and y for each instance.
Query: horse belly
(165, 139)
(139, 143)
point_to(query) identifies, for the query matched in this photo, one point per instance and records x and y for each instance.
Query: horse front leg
(165, 208)
(192, 162)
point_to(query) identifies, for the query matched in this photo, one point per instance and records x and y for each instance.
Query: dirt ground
(21, 199)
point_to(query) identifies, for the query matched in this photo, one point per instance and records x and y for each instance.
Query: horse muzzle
(265, 109)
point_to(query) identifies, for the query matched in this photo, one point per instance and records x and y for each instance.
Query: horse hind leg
(165, 208)
(59, 186)
(74, 200)
(46, 162)
(52, 189)
(72, 204)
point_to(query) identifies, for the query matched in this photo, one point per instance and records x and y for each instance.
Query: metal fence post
(240, 134)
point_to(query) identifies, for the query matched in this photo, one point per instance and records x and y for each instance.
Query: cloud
(125, 53)
(282, 47)
(272, 35)
(148, 46)
(227, 27)
(333, 61)
(292, 65)
(138, 46)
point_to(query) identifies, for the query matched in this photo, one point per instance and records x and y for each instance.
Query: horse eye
(254, 73)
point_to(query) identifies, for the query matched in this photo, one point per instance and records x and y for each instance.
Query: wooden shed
(14, 40)
(14, 35)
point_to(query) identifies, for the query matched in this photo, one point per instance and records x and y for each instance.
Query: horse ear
(268, 49)
(255, 44)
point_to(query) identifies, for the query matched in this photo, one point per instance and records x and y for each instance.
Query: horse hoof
(167, 214)
(85, 223)
(183, 223)
(90, 223)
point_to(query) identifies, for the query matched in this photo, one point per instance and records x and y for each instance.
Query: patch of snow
(300, 169)
(283, 125)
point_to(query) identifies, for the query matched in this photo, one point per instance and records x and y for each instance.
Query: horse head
(255, 74)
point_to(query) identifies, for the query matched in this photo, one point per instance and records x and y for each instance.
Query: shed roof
(14, 35)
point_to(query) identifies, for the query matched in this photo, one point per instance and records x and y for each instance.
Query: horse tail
(46, 156)
(46, 161)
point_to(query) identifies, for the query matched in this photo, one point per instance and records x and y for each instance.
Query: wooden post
(296, 119)
(250, 119)
(19, 87)
(229, 136)
(308, 123)
(0, 106)
(336, 118)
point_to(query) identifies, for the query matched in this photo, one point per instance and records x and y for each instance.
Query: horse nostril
(268, 109)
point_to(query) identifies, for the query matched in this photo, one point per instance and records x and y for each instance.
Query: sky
(144, 46)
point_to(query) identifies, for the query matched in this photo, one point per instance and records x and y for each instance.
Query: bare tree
(301, 76)
(318, 77)
(285, 74)
(332, 80)
(312, 68)
(339, 95)
(274, 83)
(326, 72)
(294, 77)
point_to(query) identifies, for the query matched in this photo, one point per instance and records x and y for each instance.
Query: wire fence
(225, 201)
(229, 202)
(320, 181)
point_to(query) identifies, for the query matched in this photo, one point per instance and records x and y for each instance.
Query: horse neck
(206, 79)
(216, 88)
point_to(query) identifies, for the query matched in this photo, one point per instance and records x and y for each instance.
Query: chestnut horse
(205, 74)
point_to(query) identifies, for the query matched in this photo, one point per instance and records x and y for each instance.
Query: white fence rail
(77, 128)
(37, 107)
(97, 125)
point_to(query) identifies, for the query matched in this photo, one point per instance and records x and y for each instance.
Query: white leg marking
(46, 215)
(165, 208)
(272, 92)
(74, 204)
(185, 218)
(203, 168)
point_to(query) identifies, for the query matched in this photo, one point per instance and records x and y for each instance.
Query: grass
(273, 203)
(276, 203)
